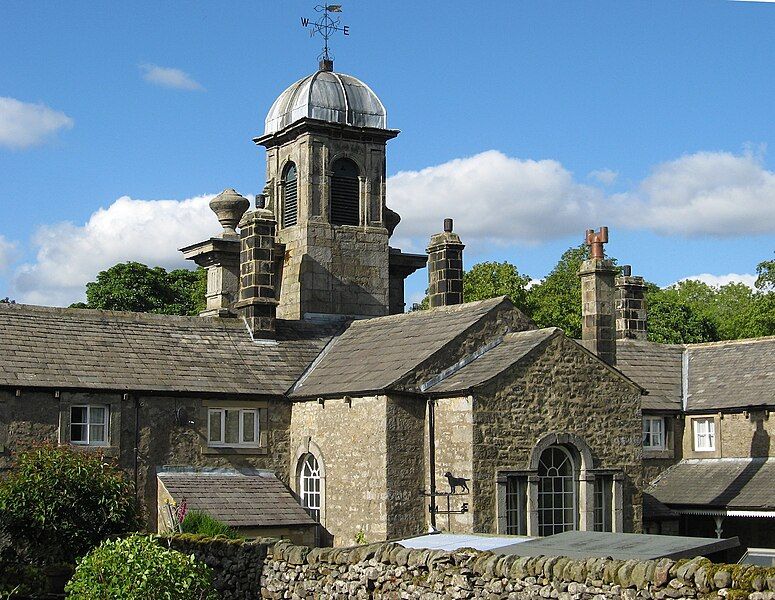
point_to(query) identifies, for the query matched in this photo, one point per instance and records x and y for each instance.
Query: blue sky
(526, 122)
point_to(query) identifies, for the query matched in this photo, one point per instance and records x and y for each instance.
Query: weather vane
(326, 25)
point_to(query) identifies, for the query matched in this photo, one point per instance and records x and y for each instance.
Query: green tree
(491, 279)
(57, 503)
(673, 320)
(765, 282)
(133, 286)
(556, 300)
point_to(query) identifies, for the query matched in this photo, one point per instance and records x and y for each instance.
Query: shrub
(58, 503)
(139, 568)
(18, 580)
(201, 523)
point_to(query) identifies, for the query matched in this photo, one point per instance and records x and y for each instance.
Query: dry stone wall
(270, 569)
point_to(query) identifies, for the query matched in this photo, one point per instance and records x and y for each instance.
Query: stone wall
(349, 441)
(165, 435)
(562, 389)
(269, 569)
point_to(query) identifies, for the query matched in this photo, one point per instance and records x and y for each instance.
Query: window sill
(658, 453)
(208, 450)
(111, 451)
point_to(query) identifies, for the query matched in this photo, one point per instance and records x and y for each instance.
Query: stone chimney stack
(630, 306)
(445, 268)
(220, 255)
(598, 327)
(258, 276)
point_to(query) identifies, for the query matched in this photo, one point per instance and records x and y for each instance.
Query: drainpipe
(432, 458)
(136, 449)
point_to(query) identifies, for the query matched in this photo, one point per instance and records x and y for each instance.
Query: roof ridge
(436, 310)
(754, 340)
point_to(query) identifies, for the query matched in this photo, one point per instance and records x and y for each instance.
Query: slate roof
(79, 348)
(375, 353)
(513, 348)
(257, 499)
(737, 483)
(655, 367)
(739, 373)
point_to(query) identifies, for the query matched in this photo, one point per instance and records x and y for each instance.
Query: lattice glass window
(89, 425)
(556, 492)
(290, 190)
(516, 505)
(653, 433)
(604, 485)
(345, 193)
(309, 485)
(704, 434)
(233, 427)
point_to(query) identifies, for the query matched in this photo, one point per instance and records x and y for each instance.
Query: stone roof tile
(731, 374)
(372, 354)
(739, 483)
(79, 348)
(237, 499)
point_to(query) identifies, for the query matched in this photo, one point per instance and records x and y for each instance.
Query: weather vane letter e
(325, 26)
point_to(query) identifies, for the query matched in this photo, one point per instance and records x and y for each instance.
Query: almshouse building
(305, 383)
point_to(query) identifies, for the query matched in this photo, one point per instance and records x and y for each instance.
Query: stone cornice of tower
(339, 130)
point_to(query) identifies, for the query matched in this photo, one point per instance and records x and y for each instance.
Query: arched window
(310, 485)
(345, 193)
(290, 190)
(556, 491)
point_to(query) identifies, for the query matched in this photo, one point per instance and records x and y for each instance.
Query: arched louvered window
(290, 196)
(345, 194)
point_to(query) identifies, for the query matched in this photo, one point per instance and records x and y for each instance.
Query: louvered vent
(345, 193)
(290, 197)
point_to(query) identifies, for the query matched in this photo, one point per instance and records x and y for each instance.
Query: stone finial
(229, 206)
(595, 242)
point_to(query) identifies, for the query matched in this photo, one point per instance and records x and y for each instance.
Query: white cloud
(493, 198)
(7, 253)
(706, 193)
(148, 231)
(509, 201)
(719, 280)
(23, 124)
(604, 176)
(169, 77)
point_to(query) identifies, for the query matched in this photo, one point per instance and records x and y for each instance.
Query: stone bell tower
(325, 139)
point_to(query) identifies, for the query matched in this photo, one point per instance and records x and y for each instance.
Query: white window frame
(311, 485)
(566, 494)
(105, 424)
(704, 441)
(649, 434)
(241, 443)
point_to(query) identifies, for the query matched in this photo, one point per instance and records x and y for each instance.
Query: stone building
(305, 379)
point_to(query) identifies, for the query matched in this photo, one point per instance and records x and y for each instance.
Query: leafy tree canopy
(556, 300)
(765, 282)
(492, 279)
(133, 286)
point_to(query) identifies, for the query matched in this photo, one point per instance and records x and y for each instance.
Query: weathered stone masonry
(271, 569)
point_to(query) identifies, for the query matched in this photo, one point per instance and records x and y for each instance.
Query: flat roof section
(622, 546)
(455, 541)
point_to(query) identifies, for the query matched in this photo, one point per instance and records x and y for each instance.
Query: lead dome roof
(328, 96)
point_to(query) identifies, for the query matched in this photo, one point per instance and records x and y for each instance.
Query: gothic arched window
(556, 491)
(345, 193)
(310, 488)
(290, 196)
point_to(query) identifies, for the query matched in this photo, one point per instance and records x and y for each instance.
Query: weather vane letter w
(326, 26)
